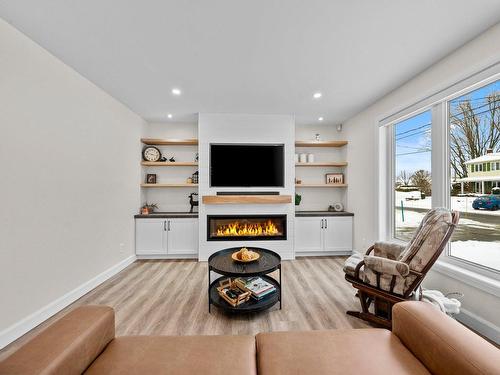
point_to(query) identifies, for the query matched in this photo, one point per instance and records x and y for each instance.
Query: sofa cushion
(358, 351)
(68, 346)
(178, 355)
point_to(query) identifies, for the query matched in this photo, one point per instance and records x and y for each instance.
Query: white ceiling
(254, 56)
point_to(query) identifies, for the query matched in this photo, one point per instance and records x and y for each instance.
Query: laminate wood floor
(165, 297)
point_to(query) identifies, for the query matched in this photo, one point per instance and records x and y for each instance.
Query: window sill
(474, 279)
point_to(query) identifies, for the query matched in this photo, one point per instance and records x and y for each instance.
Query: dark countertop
(167, 215)
(322, 213)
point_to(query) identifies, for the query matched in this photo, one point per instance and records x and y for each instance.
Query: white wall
(362, 133)
(320, 198)
(70, 182)
(240, 128)
(171, 199)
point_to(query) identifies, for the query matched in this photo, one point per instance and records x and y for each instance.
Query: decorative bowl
(236, 256)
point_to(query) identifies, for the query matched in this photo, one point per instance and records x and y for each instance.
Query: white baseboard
(479, 324)
(18, 329)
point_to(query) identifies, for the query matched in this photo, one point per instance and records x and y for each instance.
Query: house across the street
(483, 172)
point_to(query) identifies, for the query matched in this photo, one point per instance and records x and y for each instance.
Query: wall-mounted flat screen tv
(247, 165)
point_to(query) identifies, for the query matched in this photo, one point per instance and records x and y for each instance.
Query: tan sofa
(423, 341)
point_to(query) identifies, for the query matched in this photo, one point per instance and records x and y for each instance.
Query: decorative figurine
(195, 177)
(197, 157)
(317, 137)
(193, 201)
(172, 159)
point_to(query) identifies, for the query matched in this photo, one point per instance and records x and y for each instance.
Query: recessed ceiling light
(176, 91)
(317, 95)
(320, 119)
(169, 115)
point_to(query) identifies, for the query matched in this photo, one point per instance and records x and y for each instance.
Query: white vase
(303, 158)
(310, 158)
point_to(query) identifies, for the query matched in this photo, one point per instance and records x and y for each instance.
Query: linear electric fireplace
(246, 227)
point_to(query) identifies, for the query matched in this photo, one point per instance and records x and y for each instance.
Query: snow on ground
(466, 241)
(486, 253)
(462, 204)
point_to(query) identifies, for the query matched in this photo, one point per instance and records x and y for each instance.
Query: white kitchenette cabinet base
(323, 235)
(166, 238)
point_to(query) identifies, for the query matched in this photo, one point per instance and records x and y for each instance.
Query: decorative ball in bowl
(244, 255)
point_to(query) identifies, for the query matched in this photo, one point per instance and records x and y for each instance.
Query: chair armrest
(387, 266)
(389, 250)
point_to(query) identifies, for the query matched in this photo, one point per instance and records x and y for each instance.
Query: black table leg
(209, 289)
(281, 286)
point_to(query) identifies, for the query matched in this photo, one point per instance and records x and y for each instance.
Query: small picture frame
(334, 178)
(151, 178)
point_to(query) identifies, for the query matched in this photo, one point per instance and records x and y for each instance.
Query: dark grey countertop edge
(321, 213)
(176, 215)
(168, 215)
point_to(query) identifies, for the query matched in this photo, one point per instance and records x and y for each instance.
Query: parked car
(489, 202)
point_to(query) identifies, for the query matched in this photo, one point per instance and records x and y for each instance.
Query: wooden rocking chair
(394, 272)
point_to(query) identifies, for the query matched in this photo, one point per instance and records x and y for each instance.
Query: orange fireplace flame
(267, 228)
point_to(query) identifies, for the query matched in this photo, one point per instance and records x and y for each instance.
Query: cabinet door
(338, 234)
(308, 234)
(150, 236)
(182, 236)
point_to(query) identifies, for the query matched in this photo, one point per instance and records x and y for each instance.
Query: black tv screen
(247, 165)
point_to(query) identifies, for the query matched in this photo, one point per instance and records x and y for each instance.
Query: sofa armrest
(67, 346)
(386, 266)
(441, 343)
(389, 250)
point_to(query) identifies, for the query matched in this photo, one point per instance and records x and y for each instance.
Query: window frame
(438, 104)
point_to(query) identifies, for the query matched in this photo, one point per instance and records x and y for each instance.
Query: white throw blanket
(450, 306)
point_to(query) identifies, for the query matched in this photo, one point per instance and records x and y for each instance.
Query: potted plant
(298, 199)
(148, 208)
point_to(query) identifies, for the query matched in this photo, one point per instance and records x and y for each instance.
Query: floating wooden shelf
(169, 163)
(327, 164)
(169, 142)
(321, 185)
(246, 199)
(320, 143)
(168, 185)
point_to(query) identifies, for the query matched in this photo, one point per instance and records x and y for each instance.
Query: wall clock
(151, 153)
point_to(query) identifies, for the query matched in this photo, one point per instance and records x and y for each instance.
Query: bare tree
(473, 131)
(422, 180)
(403, 178)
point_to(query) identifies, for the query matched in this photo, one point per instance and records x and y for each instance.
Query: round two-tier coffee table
(222, 263)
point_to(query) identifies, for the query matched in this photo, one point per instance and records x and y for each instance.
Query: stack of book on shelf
(258, 287)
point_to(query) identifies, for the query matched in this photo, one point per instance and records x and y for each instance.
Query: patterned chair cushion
(351, 263)
(416, 255)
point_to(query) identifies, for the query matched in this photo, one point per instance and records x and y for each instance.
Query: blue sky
(413, 143)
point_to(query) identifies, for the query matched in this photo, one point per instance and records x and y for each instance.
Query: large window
(448, 154)
(474, 149)
(412, 173)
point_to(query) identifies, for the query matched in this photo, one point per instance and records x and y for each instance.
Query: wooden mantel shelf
(169, 142)
(246, 199)
(320, 143)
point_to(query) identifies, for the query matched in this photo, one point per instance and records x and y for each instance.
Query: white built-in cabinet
(166, 236)
(317, 235)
